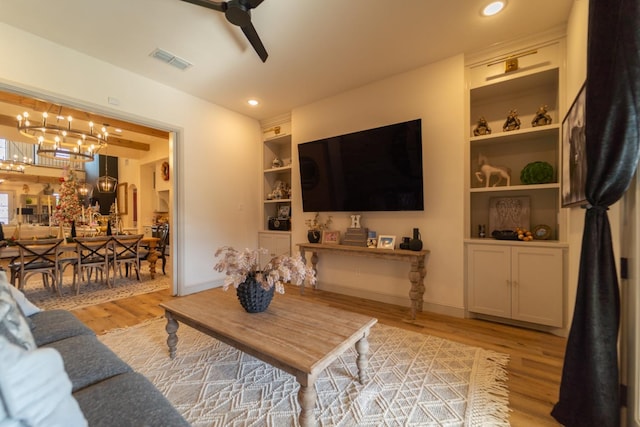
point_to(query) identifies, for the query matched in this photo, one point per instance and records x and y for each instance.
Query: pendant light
(106, 183)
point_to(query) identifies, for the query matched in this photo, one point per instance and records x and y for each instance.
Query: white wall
(217, 149)
(434, 93)
(576, 76)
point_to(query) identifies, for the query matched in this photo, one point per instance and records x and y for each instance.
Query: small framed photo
(331, 237)
(386, 242)
(284, 211)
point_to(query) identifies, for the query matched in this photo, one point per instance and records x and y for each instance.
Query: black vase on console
(415, 244)
(313, 236)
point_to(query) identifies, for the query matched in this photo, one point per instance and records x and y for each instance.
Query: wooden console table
(417, 259)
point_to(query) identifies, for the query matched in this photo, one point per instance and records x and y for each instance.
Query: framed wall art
(509, 213)
(331, 237)
(386, 242)
(574, 156)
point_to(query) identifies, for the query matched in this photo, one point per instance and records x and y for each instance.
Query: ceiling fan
(238, 12)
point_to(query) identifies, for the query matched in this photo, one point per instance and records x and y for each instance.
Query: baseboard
(561, 332)
(393, 299)
(192, 289)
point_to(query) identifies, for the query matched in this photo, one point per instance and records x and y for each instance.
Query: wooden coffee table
(293, 334)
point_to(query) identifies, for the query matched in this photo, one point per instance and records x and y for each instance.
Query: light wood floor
(534, 369)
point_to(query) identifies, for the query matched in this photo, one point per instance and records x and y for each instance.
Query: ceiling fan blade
(219, 6)
(255, 41)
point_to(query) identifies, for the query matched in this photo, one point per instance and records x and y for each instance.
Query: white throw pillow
(35, 389)
(13, 324)
(27, 307)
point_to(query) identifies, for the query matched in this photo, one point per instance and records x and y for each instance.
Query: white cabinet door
(276, 244)
(489, 288)
(516, 282)
(537, 285)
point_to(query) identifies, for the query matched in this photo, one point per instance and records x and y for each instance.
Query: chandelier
(59, 142)
(15, 165)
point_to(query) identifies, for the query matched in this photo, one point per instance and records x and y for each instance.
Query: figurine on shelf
(512, 122)
(541, 118)
(486, 171)
(482, 128)
(281, 190)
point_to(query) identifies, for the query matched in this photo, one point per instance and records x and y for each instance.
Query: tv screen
(372, 170)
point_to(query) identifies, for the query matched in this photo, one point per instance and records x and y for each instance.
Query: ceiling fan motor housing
(238, 13)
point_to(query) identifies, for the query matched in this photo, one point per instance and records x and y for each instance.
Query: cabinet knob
(515, 283)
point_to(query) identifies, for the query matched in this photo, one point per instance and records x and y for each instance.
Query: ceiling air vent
(171, 59)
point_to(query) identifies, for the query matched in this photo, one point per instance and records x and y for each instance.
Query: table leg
(304, 260)
(307, 398)
(172, 339)
(314, 265)
(362, 347)
(416, 276)
(152, 258)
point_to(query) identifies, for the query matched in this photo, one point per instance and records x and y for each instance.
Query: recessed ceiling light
(493, 8)
(253, 102)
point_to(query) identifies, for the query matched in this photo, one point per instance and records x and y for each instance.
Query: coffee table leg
(172, 339)
(307, 399)
(362, 347)
(416, 294)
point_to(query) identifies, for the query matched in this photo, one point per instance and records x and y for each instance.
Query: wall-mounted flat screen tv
(371, 170)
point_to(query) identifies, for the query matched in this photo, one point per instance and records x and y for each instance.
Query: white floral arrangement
(315, 224)
(239, 265)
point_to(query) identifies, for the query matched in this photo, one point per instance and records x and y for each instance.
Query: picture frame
(284, 211)
(122, 197)
(574, 159)
(509, 213)
(331, 237)
(386, 242)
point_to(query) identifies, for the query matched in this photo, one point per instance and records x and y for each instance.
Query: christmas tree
(69, 206)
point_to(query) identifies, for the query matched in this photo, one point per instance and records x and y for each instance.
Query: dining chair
(125, 252)
(94, 254)
(161, 247)
(36, 257)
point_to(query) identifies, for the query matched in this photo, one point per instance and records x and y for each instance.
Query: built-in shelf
(276, 174)
(515, 280)
(531, 187)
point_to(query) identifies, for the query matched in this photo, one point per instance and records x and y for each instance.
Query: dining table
(12, 251)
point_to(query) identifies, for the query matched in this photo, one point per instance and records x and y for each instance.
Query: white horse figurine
(486, 171)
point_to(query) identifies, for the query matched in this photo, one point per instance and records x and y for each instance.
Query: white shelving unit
(276, 145)
(516, 281)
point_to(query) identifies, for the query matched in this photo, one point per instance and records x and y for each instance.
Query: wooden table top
(364, 251)
(291, 333)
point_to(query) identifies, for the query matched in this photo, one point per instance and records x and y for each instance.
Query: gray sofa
(81, 383)
(108, 391)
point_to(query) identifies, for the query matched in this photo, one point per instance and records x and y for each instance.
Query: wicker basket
(253, 297)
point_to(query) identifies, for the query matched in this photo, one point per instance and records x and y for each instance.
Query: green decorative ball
(537, 173)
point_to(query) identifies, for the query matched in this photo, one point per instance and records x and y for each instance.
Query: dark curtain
(589, 393)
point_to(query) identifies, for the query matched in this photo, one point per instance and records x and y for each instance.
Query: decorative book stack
(356, 237)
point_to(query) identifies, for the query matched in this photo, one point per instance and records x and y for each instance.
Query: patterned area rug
(92, 293)
(414, 380)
